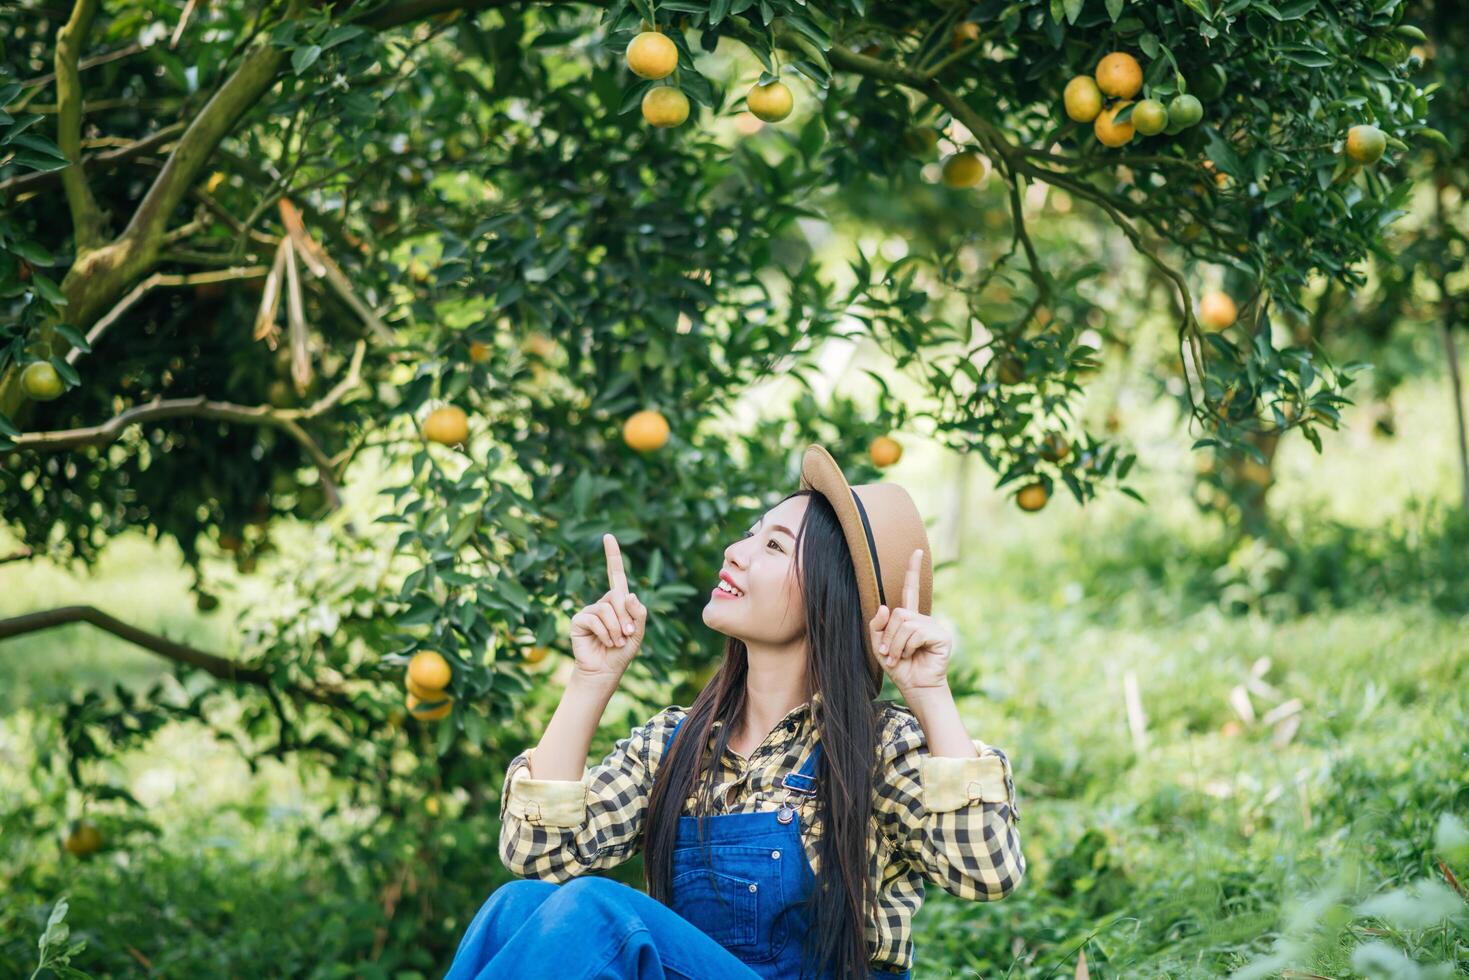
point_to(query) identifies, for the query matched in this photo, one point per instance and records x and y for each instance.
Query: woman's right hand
(607, 634)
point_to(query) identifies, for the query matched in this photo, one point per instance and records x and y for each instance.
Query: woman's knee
(518, 898)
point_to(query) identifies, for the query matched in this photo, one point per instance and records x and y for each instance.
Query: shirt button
(753, 886)
(775, 855)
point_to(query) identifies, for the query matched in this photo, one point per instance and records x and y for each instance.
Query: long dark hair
(846, 720)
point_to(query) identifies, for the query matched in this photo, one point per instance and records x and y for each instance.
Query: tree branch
(26, 184)
(160, 279)
(215, 666)
(286, 419)
(243, 89)
(87, 219)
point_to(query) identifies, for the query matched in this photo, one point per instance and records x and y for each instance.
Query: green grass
(1194, 852)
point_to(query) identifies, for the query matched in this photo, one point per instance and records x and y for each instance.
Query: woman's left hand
(917, 646)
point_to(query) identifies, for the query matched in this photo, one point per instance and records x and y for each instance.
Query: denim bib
(746, 884)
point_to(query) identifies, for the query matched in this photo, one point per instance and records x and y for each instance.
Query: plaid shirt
(949, 821)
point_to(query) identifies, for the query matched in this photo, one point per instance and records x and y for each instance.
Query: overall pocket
(718, 897)
(723, 906)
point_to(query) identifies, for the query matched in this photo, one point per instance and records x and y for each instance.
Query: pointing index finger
(910, 581)
(616, 578)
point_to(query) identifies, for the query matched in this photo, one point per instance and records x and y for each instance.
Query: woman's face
(770, 612)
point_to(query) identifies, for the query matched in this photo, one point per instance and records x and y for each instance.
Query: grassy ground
(1192, 835)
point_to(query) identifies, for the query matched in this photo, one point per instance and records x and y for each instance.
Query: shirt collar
(795, 716)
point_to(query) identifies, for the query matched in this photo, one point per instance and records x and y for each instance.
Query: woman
(804, 850)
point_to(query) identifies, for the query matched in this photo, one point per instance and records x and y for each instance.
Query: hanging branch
(216, 666)
(160, 279)
(286, 419)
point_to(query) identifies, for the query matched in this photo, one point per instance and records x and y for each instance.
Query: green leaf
(48, 289)
(1304, 54)
(339, 34)
(1073, 10)
(33, 252)
(74, 337)
(304, 58)
(1114, 9)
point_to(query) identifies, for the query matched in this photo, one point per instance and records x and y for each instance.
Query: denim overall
(749, 895)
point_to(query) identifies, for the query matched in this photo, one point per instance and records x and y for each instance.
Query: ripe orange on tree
(964, 169)
(1149, 117)
(884, 451)
(448, 425)
(1365, 144)
(651, 55)
(1032, 496)
(535, 654)
(83, 839)
(1217, 310)
(430, 710)
(1082, 98)
(479, 351)
(1119, 75)
(1110, 132)
(645, 431)
(1055, 447)
(40, 382)
(429, 670)
(771, 103)
(964, 33)
(665, 106)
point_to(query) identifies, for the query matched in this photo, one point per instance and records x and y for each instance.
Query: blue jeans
(589, 927)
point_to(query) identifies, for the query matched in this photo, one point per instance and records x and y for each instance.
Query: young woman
(789, 820)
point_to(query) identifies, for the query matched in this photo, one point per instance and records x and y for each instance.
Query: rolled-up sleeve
(557, 829)
(953, 819)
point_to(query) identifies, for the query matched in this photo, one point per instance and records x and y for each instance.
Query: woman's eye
(751, 534)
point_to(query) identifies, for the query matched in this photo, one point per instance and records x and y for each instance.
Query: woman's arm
(557, 829)
(952, 818)
(562, 751)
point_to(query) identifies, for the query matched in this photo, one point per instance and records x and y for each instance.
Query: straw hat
(883, 529)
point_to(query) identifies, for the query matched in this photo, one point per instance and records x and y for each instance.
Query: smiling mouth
(722, 591)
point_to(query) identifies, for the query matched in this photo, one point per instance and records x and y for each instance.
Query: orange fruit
(651, 55)
(665, 106)
(1032, 497)
(1119, 75)
(1366, 144)
(1111, 133)
(448, 425)
(771, 103)
(479, 352)
(1149, 117)
(1055, 447)
(645, 431)
(1082, 98)
(535, 655)
(430, 710)
(965, 33)
(40, 382)
(421, 692)
(964, 169)
(884, 451)
(1217, 310)
(430, 671)
(83, 839)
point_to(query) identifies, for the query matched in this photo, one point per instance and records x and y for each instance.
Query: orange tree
(1411, 292)
(257, 255)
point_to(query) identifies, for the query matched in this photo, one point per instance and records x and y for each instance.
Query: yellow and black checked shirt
(935, 819)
